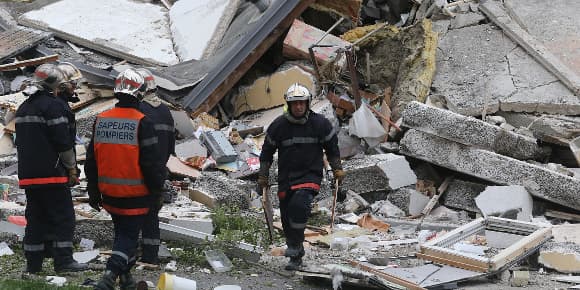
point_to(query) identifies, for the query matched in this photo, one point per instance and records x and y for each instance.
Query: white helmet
(130, 82)
(150, 84)
(297, 92)
(72, 73)
(48, 76)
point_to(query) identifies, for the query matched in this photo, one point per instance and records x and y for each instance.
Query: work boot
(294, 264)
(73, 266)
(107, 282)
(126, 282)
(294, 251)
(34, 262)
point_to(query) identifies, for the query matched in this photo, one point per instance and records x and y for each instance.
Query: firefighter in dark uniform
(301, 137)
(46, 170)
(125, 174)
(159, 113)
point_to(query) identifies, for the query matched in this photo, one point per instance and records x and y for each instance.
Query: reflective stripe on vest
(117, 154)
(42, 180)
(125, 211)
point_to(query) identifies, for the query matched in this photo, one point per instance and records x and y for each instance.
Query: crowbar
(268, 212)
(334, 196)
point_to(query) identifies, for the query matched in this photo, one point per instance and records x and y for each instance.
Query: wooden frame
(438, 251)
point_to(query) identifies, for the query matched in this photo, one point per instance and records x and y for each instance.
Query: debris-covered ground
(458, 126)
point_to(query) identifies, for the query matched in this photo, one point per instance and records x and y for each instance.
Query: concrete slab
(539, 181)
(461, 194)
(562, 257)
(466, 19)
(470, 131)
(198, 26)
(377, 173)
(567, 233)
(478, 67)
(497, 200)
(553, 129)
(554, 23)
(127, 29)
(224, 190)
(190, 148)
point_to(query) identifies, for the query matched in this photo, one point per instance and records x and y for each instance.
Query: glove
(339, 175)
(73, 177)
(95, 199)
(263, 182)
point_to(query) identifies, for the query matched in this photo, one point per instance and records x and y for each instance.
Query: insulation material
(268, 92)
(124, 26)
(198, 26)
(363, 124)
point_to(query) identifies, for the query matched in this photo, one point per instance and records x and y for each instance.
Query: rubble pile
(458, 125)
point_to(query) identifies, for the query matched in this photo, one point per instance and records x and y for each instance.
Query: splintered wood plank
(29, 62)
(17, 40)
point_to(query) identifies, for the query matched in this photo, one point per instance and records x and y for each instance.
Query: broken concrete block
(208, 20)
(562, 257)
(197, 224)
(442, 213)
(268, 91)
(183, 123)
(538, 181)
(546, 127)
(461, 194)
(387, 209)
(349, 145)
(377, 173)
(409, 200)
(520, 278)
(470, 131)
(223, 191)
(497, 200)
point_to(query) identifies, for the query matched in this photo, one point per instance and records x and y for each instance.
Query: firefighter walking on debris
(300, 136)
(125, 174)
(159, 113)
(46, 170)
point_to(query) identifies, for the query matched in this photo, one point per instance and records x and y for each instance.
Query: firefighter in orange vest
(125, 174)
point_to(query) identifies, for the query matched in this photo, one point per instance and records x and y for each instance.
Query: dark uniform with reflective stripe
(300, 167)
(127, 213)
(41, 133)
(164, 128)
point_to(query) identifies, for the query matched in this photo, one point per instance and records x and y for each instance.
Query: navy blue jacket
(300, 150)
(42, 131)
(164, 127)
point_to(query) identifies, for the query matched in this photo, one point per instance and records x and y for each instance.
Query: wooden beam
(450, 262)
(532, 46)
(29, 62)
(563, 215)
(247, 63)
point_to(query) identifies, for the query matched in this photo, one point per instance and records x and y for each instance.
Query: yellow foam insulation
(346, 8)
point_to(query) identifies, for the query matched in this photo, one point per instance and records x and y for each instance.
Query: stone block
(562, 257)
(498, 200)
(538, 181)
(470, 131)
(461, 195)
(377, 173)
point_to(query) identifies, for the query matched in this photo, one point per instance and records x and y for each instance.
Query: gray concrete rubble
(539, 182)
(549, 128)
(461, 194)
(377, 173)
(471, 131)
(562, 257)
(499, 200)
(408, 200)
(480, 70)
(224, 190)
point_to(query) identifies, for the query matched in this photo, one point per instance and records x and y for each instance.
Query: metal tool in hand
(268, 212)
(334, 196)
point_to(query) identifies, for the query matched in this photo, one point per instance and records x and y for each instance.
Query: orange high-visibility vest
(116, 146)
